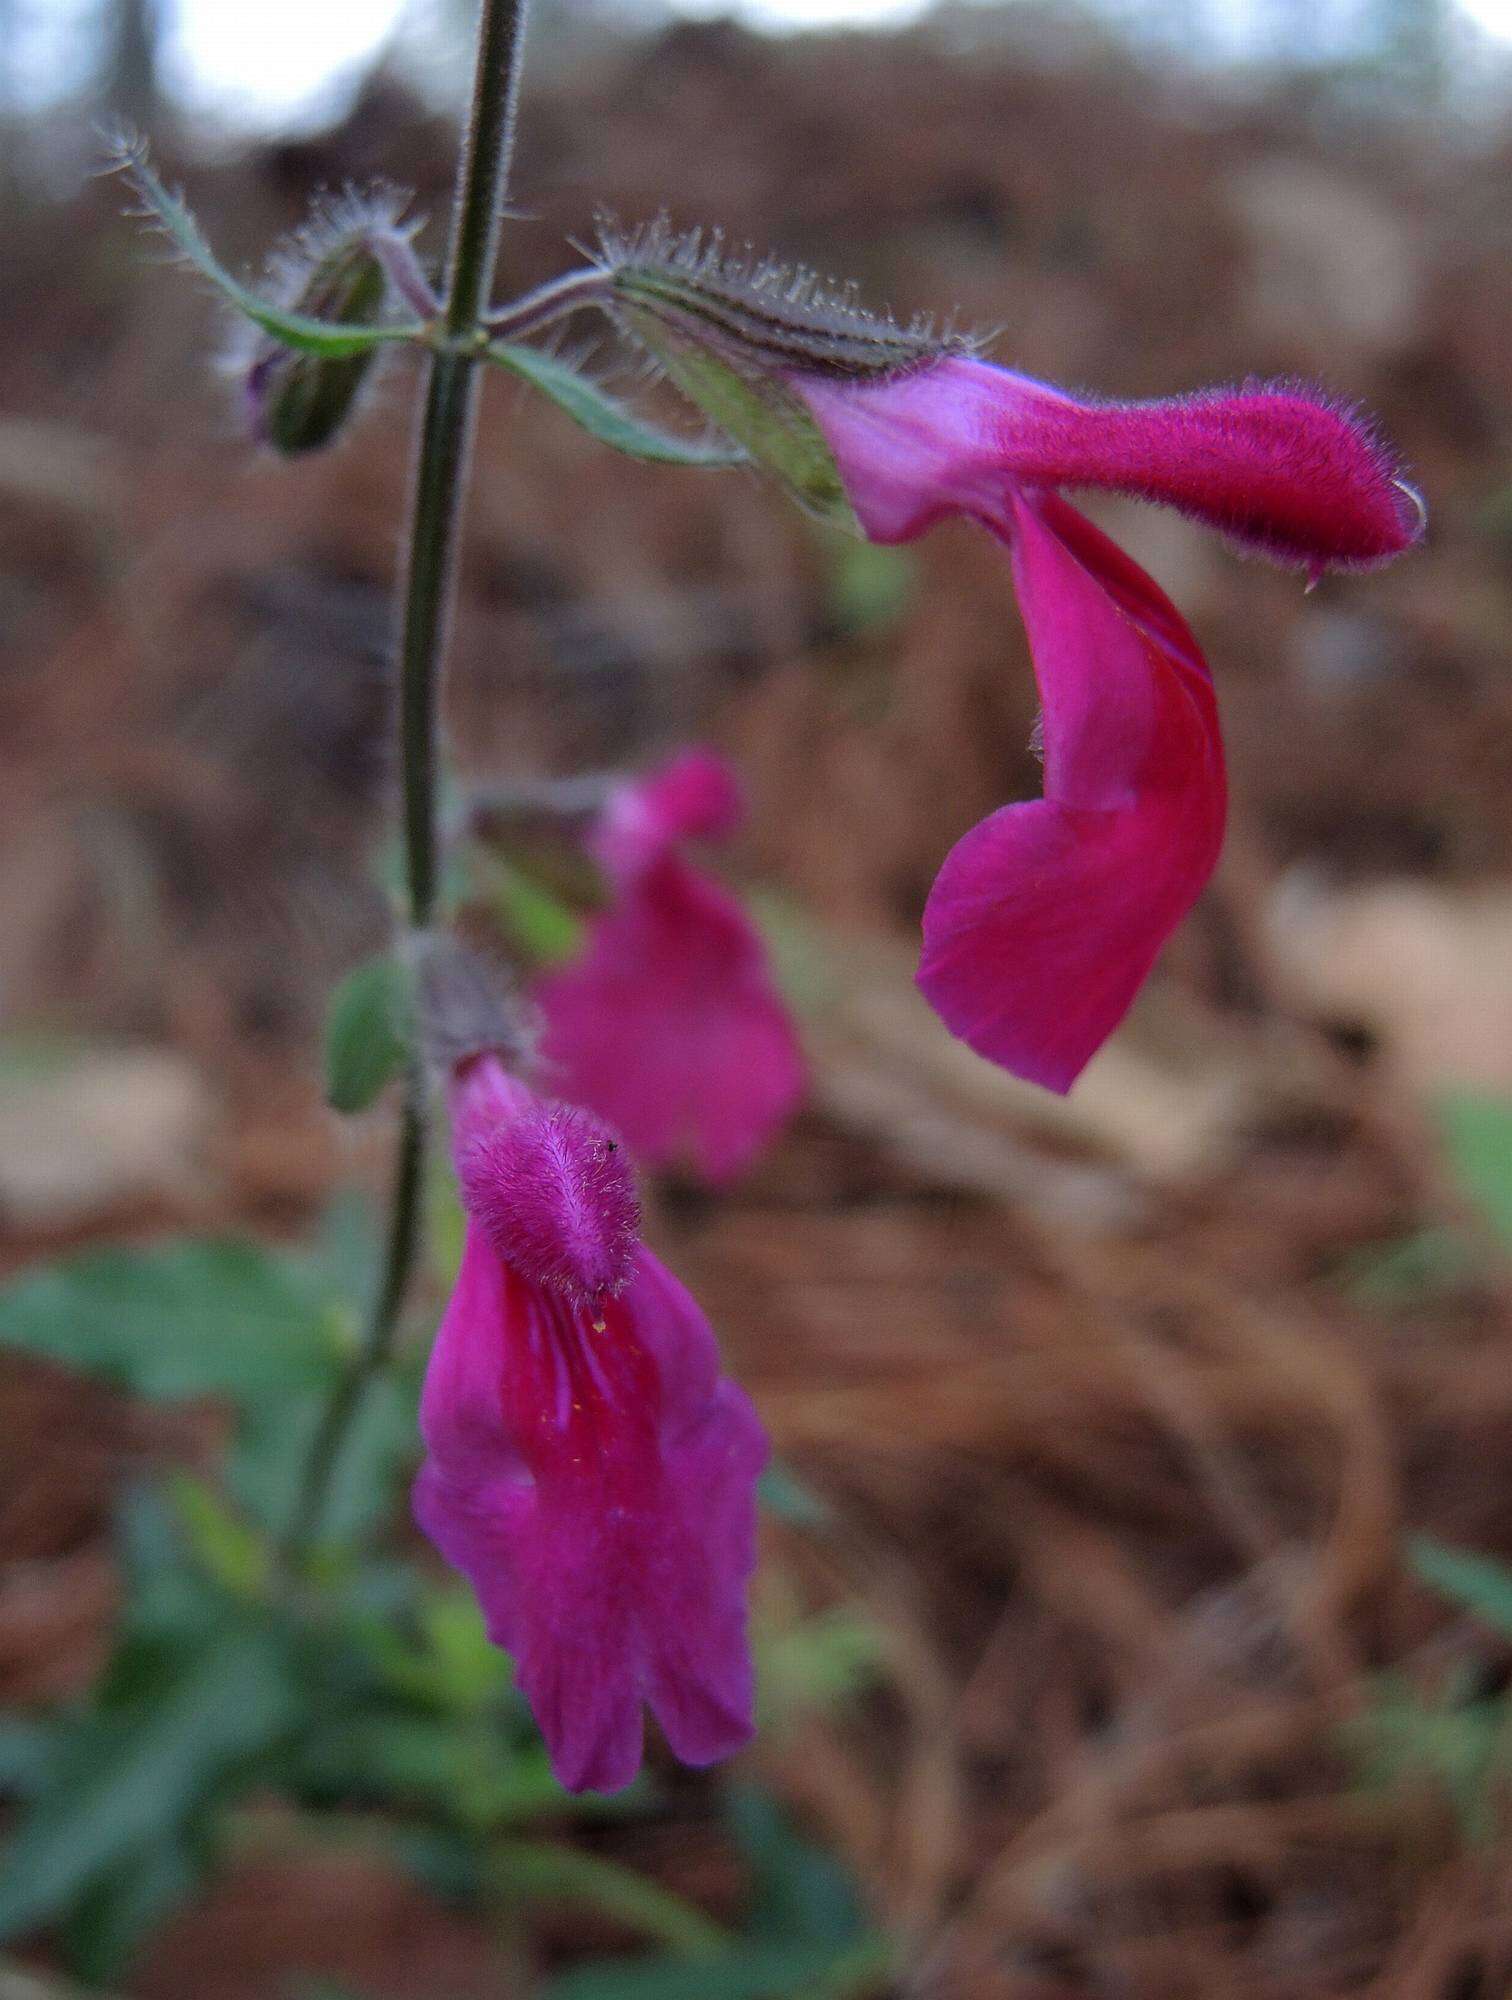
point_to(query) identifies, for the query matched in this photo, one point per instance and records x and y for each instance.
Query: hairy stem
(549, 303)
(437, 488)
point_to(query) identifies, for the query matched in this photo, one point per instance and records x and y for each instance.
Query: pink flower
(1046, 917)
(669, 1025)
(588, 1469)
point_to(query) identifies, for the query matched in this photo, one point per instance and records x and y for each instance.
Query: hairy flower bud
(334, 271)
(728, 331)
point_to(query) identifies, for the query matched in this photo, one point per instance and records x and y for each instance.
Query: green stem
(346, 1398)
(440, 478)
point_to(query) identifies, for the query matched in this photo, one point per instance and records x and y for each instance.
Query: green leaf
(308, 336)
(541, 1871)
(190, 1318)
(126, 1780)
(26, 1753)
(1477, 1583)
(226, 1547)
(799, 1890)
(1478, 1134)
(791, 1499)
(538, 922)
(603, 416)
(1457, 1746)
(268, 1462)
(750, 1972)
(822, 1662)
(369, 1032)
(115, 1913)
(761, 413)
(871, 586)
(1426, 1265)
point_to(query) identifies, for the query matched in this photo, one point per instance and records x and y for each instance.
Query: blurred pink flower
(1046, 917)
(588, 1469)
(669, 1025)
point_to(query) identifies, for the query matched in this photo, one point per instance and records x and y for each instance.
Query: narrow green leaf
(1458, 1746)
(536, 920)
(127, 1780)
(115, 1913)
(1478, 1134)
(26, 1754)
(368, 1033)
(798, 1890)
(227, 1548)
(541, 1871)
(309, 336)
(603, 416)
(1477, 1583)
(783, 1493)
(749, 1972)
(871, 585)
(1428, 1264)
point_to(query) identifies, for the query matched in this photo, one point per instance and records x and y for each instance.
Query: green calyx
(300, 401)
(733, 334)
(765, 417)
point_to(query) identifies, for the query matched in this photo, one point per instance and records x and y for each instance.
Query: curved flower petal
(594, 1477)
(670, 1026)
(1045, 918)
(1277, 466)
(694, 796)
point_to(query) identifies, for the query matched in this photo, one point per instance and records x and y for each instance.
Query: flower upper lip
(1046, 918)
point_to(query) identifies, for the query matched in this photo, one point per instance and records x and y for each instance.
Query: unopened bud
(731, 332)
(333, 271)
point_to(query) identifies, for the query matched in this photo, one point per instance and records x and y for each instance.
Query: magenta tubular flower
(589, 1470)
(1046, 917)
(669, 1025)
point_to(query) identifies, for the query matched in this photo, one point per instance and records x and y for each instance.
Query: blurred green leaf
(230, 1551)
(342, 1261)
(1426, 1265)
(819, 1663)
(790, 1498)
(190, 1318)
(444, 1663)
(169, 1606)
(1459, 1746)
(445, 1221)
(808, 1938)
(543, 1871)
(116, 1912)
(603, 416)
(416, 1757)
(535, 920)
(126, 1779)
(1478, 1583)
(369, 1033)
(809, 969)
(26, 1754)
(466, 1672)
(1477, 1133)
(268, 1461)
(750, 1972)
(871, 586)
(798, 1889)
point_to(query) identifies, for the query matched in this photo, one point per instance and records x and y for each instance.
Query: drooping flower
(589, 1470)
(1046, 917)
(669, 1025)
